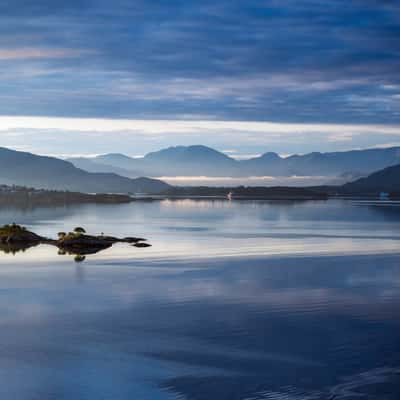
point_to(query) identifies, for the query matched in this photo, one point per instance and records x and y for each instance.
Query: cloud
(155, 127)
(60, 136)
(288, 61)
(38, 53)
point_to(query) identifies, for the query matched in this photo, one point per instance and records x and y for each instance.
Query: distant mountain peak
(113, 156)
(270, 155)
(186, 152)
(200, 160)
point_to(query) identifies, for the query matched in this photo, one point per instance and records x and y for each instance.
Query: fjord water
(235, 300)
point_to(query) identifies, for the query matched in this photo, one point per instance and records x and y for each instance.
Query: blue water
(240, 300)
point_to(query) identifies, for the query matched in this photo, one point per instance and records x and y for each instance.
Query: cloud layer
(84, 136)
(286, 61)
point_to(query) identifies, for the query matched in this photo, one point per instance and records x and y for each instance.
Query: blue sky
(297, 63)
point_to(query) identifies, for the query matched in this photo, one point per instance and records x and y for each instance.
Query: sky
(84, 77)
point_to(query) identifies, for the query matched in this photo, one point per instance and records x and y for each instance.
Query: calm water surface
(240, 300)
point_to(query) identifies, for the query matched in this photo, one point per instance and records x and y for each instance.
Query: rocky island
(14, 238)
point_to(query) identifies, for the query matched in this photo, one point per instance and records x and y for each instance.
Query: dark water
(233, 301)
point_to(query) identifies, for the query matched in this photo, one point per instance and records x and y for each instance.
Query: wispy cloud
(138, 136)
(233, 60)
(26, 53)
(155, 127)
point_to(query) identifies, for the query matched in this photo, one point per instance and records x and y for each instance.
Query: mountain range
(200, 160)
(26, 169)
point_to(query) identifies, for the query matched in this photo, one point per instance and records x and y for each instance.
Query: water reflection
(235, 327)
(78, 253)
(14, 248)
(16, 238)
(280, 328)
(189, 229)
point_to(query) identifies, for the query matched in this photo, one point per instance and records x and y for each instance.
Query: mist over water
(252, 180)
(235, 300)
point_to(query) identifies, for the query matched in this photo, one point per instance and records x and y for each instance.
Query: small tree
(79, 229)
(61, 235)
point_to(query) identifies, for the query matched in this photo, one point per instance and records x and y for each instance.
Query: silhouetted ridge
(27, 169)
(201, 160)
(386, 180)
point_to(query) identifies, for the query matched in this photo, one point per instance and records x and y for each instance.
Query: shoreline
(23, 197)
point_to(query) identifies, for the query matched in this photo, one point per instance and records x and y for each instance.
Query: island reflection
(16, 238)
